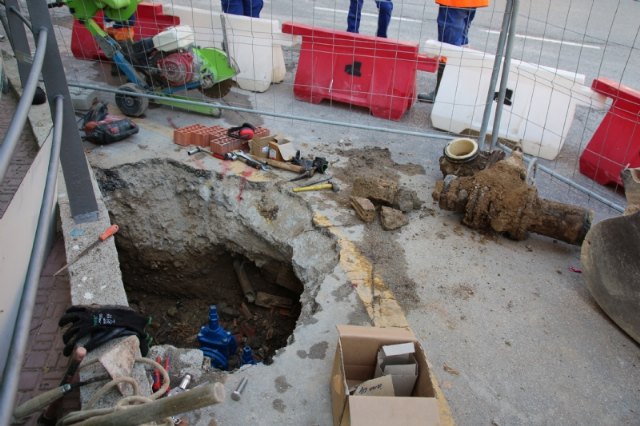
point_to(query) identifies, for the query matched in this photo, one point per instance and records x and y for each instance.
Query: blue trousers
(453, 25)
(385, 8)
(250, 8)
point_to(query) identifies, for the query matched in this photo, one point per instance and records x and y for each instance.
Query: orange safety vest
(463, 3)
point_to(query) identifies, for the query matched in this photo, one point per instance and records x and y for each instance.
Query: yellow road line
(380, 303)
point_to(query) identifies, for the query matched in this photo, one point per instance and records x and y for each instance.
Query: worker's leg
(453, 28)
(252, 8)
(234, 7)
(453, 25)
(353, 19)
(385, 8)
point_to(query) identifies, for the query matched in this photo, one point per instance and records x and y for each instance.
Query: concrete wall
(17, 232)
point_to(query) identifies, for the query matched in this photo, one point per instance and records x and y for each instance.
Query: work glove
(100, 324)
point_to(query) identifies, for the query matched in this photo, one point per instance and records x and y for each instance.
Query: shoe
(427, 97)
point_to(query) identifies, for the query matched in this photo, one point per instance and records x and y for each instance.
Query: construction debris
(119, 360)
(406, 200)
(364, 208)
(499, 198)
(391, 218)
(377, 190)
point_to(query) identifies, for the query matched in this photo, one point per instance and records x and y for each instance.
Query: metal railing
(79, 186)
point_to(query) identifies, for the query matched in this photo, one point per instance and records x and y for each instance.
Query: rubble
(406, 200)
(391, 218)
(364, 208)
(378, 190)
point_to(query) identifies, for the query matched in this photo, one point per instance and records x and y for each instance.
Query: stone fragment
(391, 219)
(364, 208)
(119, 360)
(376, 189)
(407, 200)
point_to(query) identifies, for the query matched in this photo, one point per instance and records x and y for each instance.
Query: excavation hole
(178, 300)
(181, 232)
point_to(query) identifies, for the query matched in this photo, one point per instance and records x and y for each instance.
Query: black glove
(99, 323)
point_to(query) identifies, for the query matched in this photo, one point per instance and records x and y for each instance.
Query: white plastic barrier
(255, 44)
(542, 100)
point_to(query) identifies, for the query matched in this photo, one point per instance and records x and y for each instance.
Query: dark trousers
(453, 25)
(250, 8)
(385, 8)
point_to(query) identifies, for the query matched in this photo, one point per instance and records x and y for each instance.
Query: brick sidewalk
(44, 365)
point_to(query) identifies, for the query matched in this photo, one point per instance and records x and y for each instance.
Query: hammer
(328, 185)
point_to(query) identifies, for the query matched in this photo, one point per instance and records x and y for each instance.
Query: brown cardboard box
(355, 362)
(281, 149)
(259, 147)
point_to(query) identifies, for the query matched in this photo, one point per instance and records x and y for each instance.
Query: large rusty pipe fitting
(498, 198)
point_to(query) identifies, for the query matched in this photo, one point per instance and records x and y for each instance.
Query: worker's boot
(431, 97)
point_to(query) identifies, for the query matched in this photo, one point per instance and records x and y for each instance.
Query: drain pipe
(11, 373)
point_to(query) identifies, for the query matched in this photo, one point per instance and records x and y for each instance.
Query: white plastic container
(255, 44)
(543, 99)
(174, 38)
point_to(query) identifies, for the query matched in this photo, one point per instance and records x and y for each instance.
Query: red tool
(106, 234)
(157, 377)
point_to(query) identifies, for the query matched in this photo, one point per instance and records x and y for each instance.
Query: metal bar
(11, 374)
(22, 110)
(505, 73)
(494, 74)
(77, 176)
(19, 41)
(267, 113)
(566, 180)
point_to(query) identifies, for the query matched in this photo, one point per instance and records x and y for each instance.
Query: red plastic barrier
(150, 20)
(375, 73)
(616, 142)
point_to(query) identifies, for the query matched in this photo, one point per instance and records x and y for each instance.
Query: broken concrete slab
(407, 200)
(391, 219)
(119, 359)
(376, 189)
(364, 208)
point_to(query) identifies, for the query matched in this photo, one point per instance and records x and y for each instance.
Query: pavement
(44, 365)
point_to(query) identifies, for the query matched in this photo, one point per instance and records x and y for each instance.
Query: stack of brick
(183, 135)
(215, 138)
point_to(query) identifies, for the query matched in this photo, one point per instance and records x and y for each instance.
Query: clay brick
(184, 135)
(201, 137)
(221, 143)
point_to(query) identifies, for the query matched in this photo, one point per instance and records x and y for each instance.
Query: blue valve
(215, 342)
(218, 360)
(247, 356)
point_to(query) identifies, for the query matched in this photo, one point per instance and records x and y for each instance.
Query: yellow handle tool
(314, 187)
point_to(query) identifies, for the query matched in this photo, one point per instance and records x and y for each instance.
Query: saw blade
(218, 90)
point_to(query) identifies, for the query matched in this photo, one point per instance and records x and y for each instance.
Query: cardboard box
(281, 149)
(355, 362)
(259, 147)
(399, 362)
